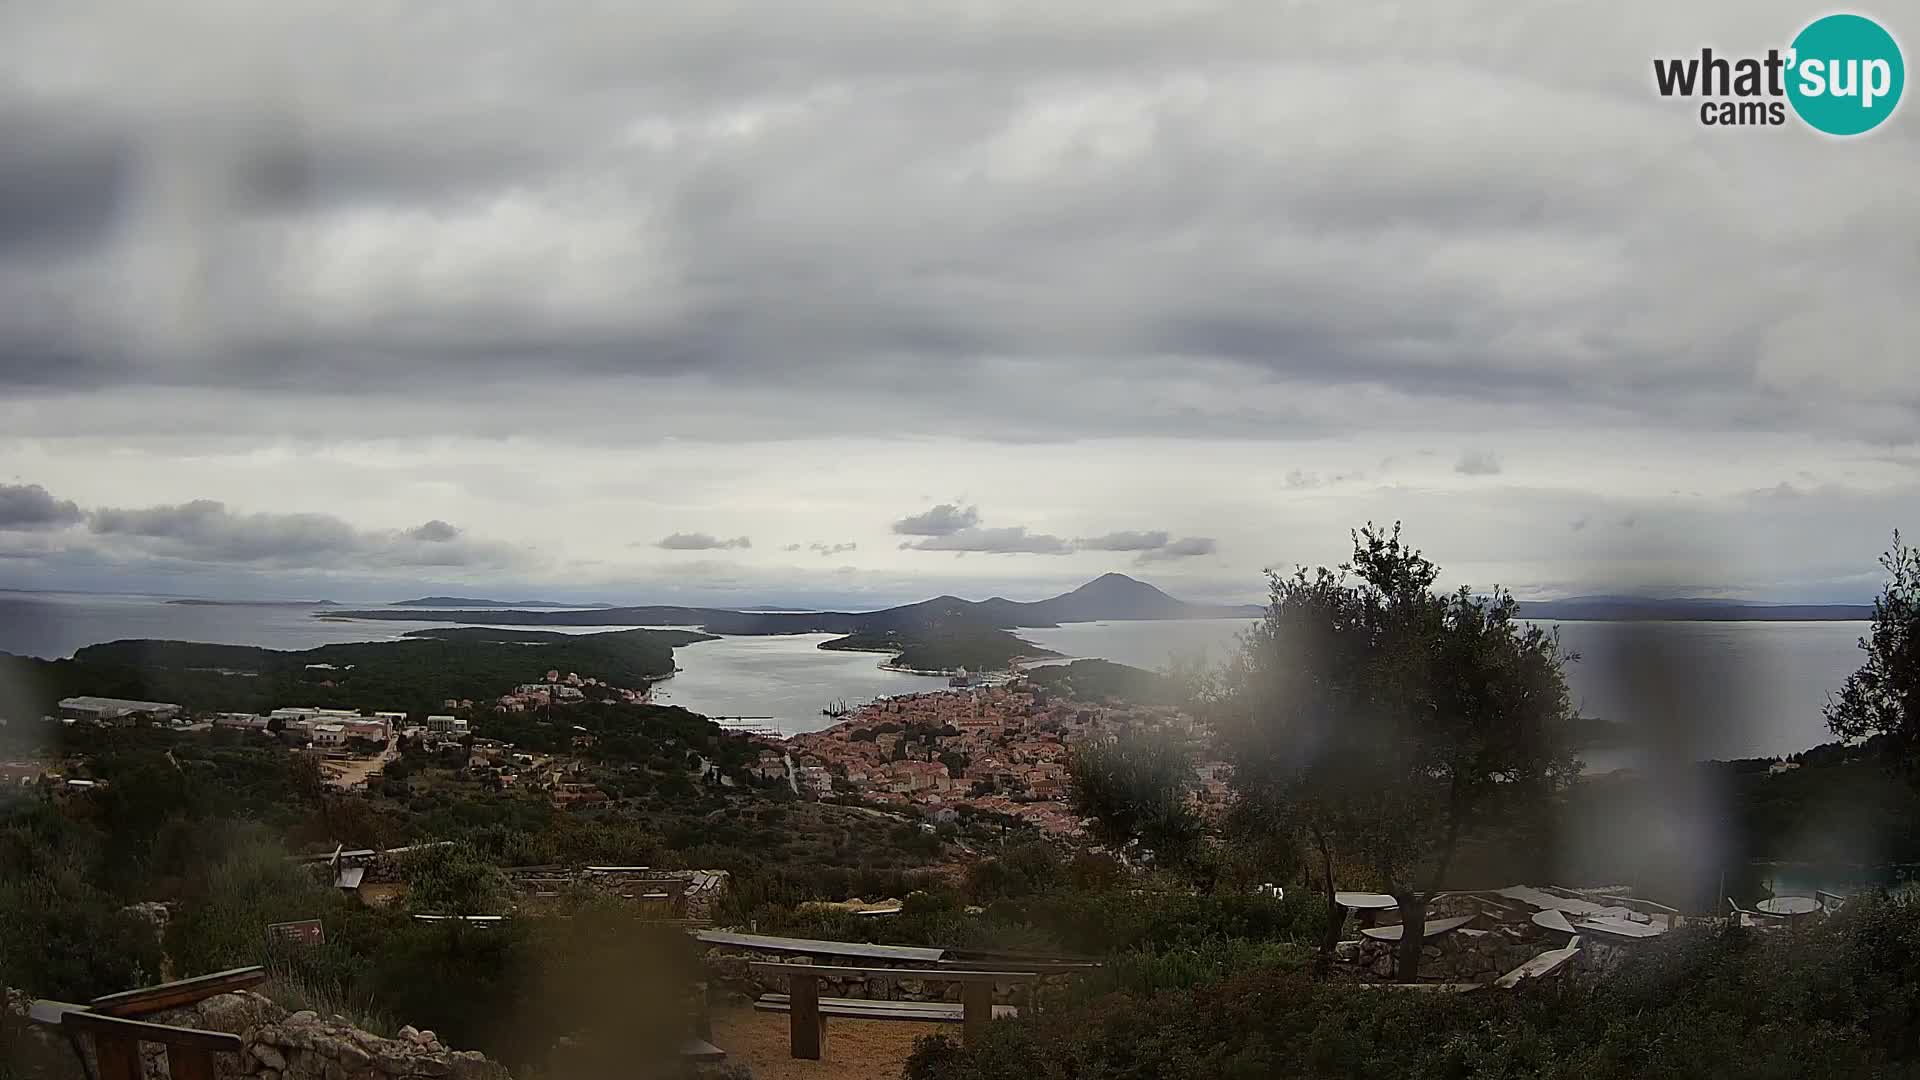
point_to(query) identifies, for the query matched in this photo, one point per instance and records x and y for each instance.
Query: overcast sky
(852, 303)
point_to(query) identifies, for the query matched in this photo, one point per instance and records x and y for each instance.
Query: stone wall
(305, 1046)
(287, 1046)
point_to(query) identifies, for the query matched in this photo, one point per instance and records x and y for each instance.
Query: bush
(1123, 919)
(61, 935)
(1840, 999)
(454, 879)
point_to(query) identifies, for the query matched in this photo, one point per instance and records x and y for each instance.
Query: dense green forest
(416, 674)
(945, 648)
(1104, 680)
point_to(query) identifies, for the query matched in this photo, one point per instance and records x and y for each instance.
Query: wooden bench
(808, 1011)
(109, 1021)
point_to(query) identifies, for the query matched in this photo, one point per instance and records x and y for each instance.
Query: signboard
(303, 932)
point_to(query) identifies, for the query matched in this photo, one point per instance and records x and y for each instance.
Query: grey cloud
(1123, 541)
(1298, 480)
(1578, 524)
(1184, 548)
(1004, 541)
(832, 549)
(30, 506)
(206, 531)
(389, 227)
(791, 547)
(435, 531)
(699, 541)
(1478, 463)
(943, 520)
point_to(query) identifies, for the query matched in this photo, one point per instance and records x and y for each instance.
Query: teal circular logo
(1846, 74)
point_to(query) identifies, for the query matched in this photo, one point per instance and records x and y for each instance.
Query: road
(354, 772)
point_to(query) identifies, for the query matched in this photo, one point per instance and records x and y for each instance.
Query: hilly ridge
(1108, 597)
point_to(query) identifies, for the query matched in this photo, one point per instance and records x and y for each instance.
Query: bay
(1707, 690)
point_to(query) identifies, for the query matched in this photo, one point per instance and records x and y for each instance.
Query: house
(240, 721)
(443, 725)
(328, 735)
(116, 711)
(816, 779)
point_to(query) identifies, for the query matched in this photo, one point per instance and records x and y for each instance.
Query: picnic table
(1792, 908)
(818, 948)
(808, 1011)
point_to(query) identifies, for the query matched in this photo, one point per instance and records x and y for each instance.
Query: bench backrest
(152, 999)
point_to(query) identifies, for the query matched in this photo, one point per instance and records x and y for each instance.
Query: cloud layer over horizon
(846, 301)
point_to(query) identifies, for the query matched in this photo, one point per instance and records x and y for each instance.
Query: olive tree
(1380, 720)
(1134, 789)
(1883, 697)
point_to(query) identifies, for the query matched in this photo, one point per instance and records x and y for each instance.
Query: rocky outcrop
(286, 1046)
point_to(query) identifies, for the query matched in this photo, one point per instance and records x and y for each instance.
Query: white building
(106, 710)
(328, 735)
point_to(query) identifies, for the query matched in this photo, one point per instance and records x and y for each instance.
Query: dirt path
(856, 1049)
(354, 772)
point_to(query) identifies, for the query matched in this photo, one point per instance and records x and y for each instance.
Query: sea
(1709, 689)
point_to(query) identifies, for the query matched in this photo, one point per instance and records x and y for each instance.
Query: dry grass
(855, 1050)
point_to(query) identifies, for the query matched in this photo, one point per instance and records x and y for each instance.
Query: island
(423, 671)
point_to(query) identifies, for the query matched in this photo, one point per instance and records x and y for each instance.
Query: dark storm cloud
(30, 506)
(1004, 541)
(1123, 541)
(699, 541)
(943, 520)
(1478, 463)
(1183, 548)
(1123, 190)
(435, 531)
(61, 180)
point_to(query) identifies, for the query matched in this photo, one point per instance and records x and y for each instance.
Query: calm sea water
(1711, 689)
(788, 679)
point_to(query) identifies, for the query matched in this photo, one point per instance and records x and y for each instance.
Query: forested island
(415, 674)
(943, 650)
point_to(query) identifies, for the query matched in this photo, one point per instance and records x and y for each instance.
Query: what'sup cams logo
(1842, 75)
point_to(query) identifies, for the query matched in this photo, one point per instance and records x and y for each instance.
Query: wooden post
(118, 1056)
(976, 1010)
(189, 1063)
(807, 1029)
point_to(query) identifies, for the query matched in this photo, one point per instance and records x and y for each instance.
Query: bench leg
(186, 1064)
(807, 1029)
(117, 1057)
(976, 1010)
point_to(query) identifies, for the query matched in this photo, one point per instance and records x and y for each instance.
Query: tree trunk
(1413, 928)
(1336, 916)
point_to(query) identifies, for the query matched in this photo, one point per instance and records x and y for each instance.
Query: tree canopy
(1883, 697)
(1135, 791)
(1379, 719)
